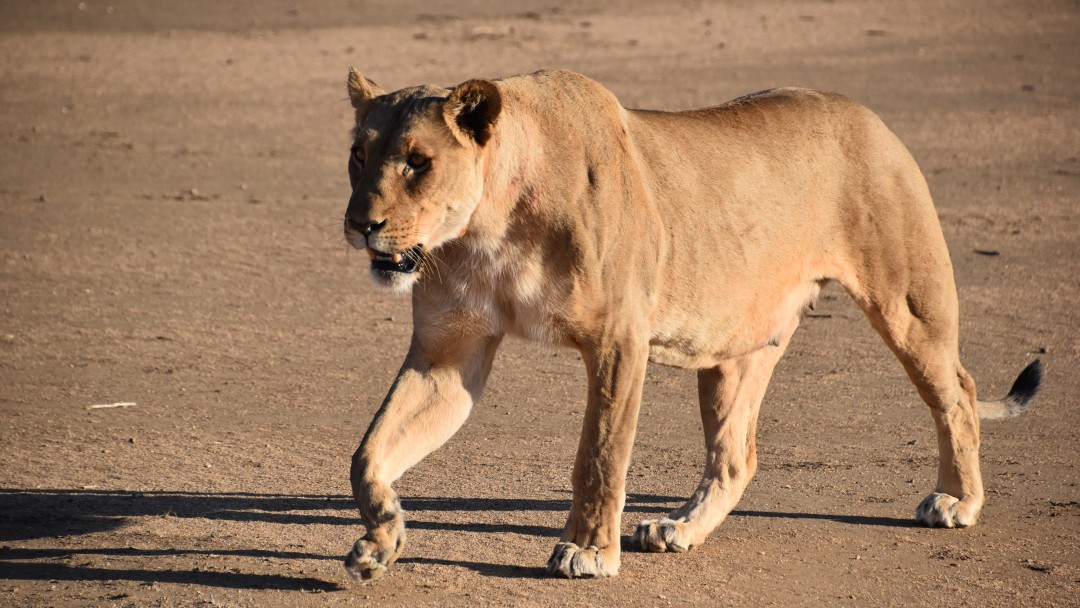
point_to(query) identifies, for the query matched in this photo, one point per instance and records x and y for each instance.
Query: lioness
(537, 205)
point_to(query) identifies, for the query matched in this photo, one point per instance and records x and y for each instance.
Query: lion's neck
(511, 185)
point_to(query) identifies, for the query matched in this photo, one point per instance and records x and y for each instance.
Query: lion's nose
(365, 228)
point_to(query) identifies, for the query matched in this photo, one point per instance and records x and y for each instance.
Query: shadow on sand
(28, 514)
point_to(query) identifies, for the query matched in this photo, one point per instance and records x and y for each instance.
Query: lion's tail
(1021, 393)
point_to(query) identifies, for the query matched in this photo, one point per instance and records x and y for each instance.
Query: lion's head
(416, 170)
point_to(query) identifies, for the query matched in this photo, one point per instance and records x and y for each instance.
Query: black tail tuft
(1026, 385)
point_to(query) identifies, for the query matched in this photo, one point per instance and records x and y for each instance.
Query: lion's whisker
(426, 261)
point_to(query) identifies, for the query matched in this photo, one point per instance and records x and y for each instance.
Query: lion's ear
(472, 110)
(362, 90)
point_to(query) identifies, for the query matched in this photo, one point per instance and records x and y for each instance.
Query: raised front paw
(369, 558)
(660, 535)
(572, 561)
(939, 510)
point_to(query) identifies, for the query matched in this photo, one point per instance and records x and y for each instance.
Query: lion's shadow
(28, 514)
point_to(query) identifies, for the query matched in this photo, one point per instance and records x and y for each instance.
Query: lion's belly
(695, 350)
(677, 355)
(696, 337)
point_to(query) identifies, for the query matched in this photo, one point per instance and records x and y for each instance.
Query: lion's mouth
(407, 262)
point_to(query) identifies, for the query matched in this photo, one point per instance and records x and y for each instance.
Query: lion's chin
(400, 282)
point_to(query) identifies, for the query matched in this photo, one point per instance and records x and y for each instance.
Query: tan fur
(695, 239)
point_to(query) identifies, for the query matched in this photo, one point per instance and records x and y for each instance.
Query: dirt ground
(172, 182)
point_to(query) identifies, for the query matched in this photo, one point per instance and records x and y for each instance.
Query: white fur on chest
(516, 297)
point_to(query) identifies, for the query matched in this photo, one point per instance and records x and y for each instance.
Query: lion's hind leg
(932, 363)
(730, 397)
(918, 320)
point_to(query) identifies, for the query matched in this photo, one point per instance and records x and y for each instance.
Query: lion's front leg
(427, 404)
(589, 544)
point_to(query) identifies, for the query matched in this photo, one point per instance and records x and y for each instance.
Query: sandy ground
(172, 182)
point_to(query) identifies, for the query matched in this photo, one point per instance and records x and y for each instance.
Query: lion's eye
(358, 157)
(417, 162)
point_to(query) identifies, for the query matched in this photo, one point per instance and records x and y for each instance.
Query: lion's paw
(660, 535)
(363, 563)
(367, 562)
(939, 510)
(572, 561)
